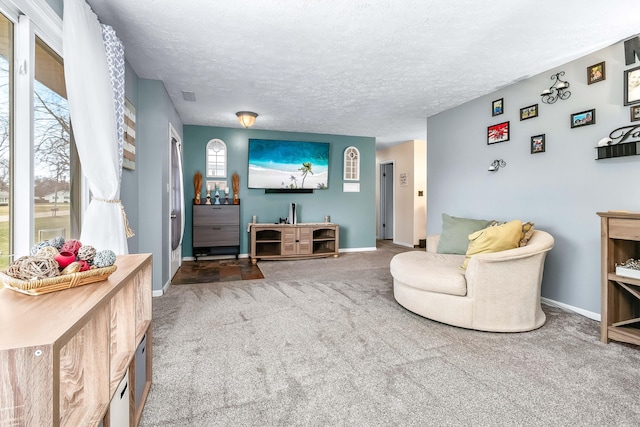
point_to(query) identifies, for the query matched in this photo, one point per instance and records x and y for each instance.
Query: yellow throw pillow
(494, 239)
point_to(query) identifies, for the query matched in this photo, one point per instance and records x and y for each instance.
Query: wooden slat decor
(129, 153)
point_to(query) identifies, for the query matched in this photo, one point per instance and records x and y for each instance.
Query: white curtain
(93, 117)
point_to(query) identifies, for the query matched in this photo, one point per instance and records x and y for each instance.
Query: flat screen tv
(288, 165)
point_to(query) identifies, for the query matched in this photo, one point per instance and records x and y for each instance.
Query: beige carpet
(323, 342)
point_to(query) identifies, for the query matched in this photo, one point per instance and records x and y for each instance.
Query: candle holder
(208, 202)
(217, 197)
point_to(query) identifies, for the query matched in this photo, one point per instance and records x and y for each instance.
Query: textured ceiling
(374, 68)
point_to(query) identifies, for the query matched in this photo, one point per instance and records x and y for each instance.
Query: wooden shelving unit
(287, 241)
(620, 312)
(63, 354)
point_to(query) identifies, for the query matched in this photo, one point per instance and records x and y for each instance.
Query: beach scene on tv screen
(288, 164)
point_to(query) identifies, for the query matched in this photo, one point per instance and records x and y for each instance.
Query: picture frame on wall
(529, 112)
(498, 133)
(635, 113)
(538, 144)
(596, 73)
(583, 118)
(497, 107)
(632, 86)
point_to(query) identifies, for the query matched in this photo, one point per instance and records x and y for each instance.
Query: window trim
(351, 162)
(226, 156)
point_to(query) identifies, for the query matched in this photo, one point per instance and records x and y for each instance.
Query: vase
(197, 200)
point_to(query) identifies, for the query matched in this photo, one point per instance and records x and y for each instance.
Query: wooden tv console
(291, 241)
(63, 354)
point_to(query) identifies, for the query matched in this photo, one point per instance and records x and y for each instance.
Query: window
(52, 147)
(352, 164)
(39, 171)
(216, 159)
(6, 140)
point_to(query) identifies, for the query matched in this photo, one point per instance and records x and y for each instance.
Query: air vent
(189, 96)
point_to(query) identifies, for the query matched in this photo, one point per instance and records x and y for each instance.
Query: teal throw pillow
(454, 238)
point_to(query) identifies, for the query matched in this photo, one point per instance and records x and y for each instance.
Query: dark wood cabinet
(216, 230)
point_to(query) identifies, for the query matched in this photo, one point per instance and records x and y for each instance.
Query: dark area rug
(213, 271)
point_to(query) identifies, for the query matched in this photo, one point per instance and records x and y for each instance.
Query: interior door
(177, 205)
(386, 201)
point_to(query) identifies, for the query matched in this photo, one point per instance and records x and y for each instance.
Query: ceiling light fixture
(246, 118)
(497, 164)
(558, 90)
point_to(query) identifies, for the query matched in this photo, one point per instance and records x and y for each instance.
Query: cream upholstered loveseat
(497, 292)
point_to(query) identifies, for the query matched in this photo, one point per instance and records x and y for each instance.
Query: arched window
(351, 164)
(216, 159)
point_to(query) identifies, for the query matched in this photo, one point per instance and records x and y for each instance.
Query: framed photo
(632, 86)
(498, 133)
(596, 73)
(537, 144)
(529, 112)
(497, 107)
(583, 118)
(635, 113)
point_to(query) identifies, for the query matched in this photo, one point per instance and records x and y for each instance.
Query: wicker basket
(58, 283)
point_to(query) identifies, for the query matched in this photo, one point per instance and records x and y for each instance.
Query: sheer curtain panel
(93, 117)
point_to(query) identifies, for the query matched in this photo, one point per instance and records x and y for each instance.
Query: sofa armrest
(508, 281)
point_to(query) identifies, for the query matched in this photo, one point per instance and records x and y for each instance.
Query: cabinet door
(217, 235)
(216, 214)
(304, 240)
(288, 241)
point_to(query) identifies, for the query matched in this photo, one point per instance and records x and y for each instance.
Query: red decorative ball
(71, 245)
(84, 265)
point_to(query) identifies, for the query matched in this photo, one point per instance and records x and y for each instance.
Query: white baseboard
(160, 292)
(585, 313)
(406, 245)
(358, 249)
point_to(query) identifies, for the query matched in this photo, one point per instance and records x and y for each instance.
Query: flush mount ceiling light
(246, 118)
(497, 164)
(558, 90)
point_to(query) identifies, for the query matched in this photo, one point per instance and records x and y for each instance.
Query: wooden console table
(620, 312)
(63, 354)
(290, 241)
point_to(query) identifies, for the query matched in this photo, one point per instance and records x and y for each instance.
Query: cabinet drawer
(216, 214)
(622, 228)
(216, 235)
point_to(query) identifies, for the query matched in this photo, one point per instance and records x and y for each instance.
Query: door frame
(174, 256)
(381, 207)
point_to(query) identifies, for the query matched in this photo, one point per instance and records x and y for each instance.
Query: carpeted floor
(323, 342)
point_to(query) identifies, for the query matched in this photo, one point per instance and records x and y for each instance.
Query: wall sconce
(246, 118)
(558, 90)
(497, 164)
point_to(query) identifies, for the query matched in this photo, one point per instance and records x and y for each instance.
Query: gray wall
(354, 212)
(560, 190)
(154, 112)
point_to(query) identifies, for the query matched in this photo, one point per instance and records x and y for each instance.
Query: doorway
(385, 226)
(176, 214)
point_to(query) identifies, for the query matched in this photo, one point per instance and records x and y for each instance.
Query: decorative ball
(87, 253)
(104, 258)
(71, 245)
(36, 268)
(74, 267)
(38, 246)
(84, 265)
(47, 252)
(14, 268)
(57, 242)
